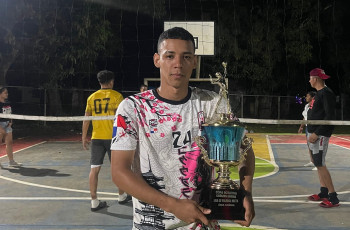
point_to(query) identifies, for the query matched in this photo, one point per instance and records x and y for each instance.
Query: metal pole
(279, 108)
(242, 98)
(198, 68)
(45, 101)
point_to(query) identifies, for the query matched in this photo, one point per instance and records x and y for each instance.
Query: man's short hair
(176, 33)
(105, 76)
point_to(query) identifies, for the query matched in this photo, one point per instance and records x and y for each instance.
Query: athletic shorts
(319, 150)
(98, 151)
(5, 125)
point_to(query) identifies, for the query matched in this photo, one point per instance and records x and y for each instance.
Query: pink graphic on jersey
(190, 178)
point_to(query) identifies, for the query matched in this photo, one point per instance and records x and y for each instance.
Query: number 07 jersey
(103, 102)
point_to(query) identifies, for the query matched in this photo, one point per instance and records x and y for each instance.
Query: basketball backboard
(202, 31)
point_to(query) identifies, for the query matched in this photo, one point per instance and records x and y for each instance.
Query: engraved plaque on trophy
(220, 145)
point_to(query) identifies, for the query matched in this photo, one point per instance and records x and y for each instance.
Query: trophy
(220, 145)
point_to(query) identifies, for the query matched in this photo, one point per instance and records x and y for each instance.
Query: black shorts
(98, 151)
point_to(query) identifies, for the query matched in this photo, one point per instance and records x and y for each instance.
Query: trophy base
(225, 204)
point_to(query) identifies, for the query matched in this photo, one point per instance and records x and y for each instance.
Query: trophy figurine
(220, 145)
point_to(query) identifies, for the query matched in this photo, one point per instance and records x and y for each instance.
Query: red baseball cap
(319, 73)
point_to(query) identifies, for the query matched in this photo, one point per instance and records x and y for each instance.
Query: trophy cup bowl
(220, 146)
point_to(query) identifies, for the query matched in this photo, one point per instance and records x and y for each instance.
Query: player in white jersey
(154, 134)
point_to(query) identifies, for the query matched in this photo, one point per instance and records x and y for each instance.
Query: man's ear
(156, 59)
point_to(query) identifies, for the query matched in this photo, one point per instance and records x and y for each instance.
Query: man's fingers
(202, 218)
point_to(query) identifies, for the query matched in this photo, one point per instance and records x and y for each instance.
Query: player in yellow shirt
(103, 102)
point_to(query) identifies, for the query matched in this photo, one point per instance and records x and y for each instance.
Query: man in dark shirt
(322, 108)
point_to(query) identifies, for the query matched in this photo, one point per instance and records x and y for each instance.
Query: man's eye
(187, 57)
(170, 56)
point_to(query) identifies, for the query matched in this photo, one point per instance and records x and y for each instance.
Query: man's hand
(248, 204)
(189, 211)
(86, 143)
(300, 130)
(313, 138)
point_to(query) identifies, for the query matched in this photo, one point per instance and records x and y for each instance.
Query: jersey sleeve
(125, 127)
(88, 106)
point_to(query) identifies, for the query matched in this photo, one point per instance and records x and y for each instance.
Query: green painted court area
(238, 228)
(262, 167)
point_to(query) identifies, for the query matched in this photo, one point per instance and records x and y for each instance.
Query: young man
(155, 135)
(322, 108)
(103, 102)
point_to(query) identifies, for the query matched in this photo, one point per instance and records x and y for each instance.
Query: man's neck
(319, 87)
(173, 94)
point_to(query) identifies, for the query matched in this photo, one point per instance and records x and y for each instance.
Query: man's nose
(178, 61)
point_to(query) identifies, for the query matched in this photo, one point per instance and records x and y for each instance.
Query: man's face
(176, 61)
(313, 80)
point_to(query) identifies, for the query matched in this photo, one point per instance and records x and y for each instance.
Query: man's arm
(246, 174)
(133, 184)
(85, 129)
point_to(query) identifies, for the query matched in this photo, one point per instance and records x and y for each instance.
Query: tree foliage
(70, 40)
(271, 45)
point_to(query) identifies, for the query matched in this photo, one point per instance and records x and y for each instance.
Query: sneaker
(310, 164)
(101, 205)
(125, 200)
(314, 169)
(14, 164)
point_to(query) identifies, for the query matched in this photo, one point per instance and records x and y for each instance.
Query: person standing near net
(322, 108)
(308, 98)
(6, 127)
(155, 133)
(103, 102)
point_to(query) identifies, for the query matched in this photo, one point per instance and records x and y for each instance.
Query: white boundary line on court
(251, 226)
(25, 148)
(53, 187)
(341, 146)
(341, 138)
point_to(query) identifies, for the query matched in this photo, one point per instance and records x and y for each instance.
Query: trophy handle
(247, 142)
(200, 140)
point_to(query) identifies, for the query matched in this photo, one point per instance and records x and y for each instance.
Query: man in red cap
(322, 108)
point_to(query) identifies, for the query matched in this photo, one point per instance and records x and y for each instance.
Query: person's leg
(317, 159)
(9, 146)
(325, 178)
(311, 163)
(97, 155)
(323, 173)
(93, 181)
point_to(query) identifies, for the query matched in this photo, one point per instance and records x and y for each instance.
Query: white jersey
(162, 132)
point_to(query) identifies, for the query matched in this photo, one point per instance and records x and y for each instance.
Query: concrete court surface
(50, 191)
